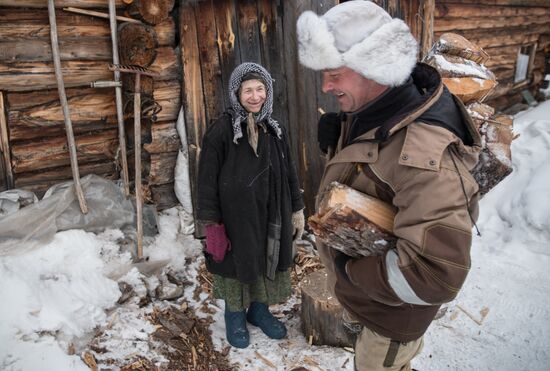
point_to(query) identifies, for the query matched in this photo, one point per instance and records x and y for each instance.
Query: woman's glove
(328, 131)
(298, 222)
(217, 243)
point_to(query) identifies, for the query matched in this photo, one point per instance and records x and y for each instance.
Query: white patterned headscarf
(240, 113)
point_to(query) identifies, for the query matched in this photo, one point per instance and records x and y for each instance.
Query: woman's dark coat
(233, 189)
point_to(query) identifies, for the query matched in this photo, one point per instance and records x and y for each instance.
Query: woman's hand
(217, 243)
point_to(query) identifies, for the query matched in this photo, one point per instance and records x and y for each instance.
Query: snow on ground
(54, 298)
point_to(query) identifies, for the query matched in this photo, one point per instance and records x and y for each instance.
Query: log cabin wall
(501, 28)
(218, 35)
(38, 154)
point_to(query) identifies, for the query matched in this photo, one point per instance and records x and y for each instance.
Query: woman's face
(252, 95)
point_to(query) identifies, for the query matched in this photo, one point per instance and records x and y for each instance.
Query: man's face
(352, 90)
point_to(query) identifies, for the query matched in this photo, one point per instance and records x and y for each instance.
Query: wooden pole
(5, 143)
(137, 155)
(427, 28)
(100, 14)
(65, 107)
(118, 96)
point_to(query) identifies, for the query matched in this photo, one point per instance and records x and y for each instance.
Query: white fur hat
(360, 35)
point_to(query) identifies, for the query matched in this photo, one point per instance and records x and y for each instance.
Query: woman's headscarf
(240, 114)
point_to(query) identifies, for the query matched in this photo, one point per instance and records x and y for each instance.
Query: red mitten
(217, 243)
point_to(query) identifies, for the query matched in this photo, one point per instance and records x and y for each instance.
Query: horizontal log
(85, 48)
(482, 9)
(489, 39)
(518, 3)
(464, 23)
(61, 3)
(38, 114)
(34, 156)
(34, 24)
(63, 173)
(164, 138)
(26, 76)
(162, 168)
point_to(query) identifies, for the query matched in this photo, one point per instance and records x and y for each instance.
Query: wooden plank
(210, 62)
(5, 146)
(427, 39)
(411, 11)
(228, 47)
(272, 45)
(192, 92)
(303, 109)
(249, 39)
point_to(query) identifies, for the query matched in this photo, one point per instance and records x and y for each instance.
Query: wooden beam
(5, 144)
(60, 3)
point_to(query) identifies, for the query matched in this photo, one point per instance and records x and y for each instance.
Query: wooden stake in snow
(65, 107)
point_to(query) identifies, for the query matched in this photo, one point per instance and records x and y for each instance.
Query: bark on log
(151, 11)
(354, 223)
(34, 156)
(321, 313)
(137, 44)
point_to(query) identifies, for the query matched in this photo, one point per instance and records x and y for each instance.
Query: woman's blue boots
(258, 315)
(235, 329)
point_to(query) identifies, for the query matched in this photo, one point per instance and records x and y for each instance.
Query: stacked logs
(462, 67)
(37, 140)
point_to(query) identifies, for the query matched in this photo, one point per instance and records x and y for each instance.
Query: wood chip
(266, 361)
(469, 315)
(90, 361)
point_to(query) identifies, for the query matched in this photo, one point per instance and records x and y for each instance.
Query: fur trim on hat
(381, 48)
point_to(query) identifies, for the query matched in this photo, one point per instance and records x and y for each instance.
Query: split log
(354, 223)
(321, 313)
(137, 44)
(469, 89)
(453, 44)
(34, 156)
(151, 11)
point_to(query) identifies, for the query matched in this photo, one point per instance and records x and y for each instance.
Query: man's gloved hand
(328, 131)
(298, 223)
(217, 243)
(340, 262)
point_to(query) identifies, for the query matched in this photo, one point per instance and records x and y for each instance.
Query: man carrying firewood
(403, 138)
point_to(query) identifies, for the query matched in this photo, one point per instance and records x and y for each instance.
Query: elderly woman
(251, 205)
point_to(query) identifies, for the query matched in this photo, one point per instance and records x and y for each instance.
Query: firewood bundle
(461, 64)
(353, 222)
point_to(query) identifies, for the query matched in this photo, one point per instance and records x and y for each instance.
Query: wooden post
(118, 92)
(137, 156)
(5, 143)
(427, 28)
(65, 106)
